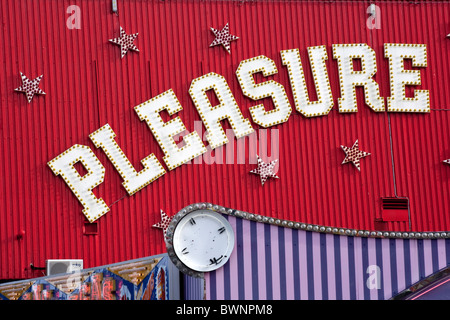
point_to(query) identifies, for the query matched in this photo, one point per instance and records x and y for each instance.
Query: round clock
(202, 240)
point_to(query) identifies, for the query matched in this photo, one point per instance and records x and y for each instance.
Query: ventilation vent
(395, 209)
(395, 203)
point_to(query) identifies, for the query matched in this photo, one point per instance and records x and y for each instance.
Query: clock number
(192, 221)
(221, 230)
(184, 251)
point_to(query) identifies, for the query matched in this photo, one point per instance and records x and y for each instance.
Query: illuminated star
(30, 87)
(164, 223)
(353, 154)
(265, 170)
(223, 37)
(125, 42)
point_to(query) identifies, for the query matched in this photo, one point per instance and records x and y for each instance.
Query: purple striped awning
(276, 262)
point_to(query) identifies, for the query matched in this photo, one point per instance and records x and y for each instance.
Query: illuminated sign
(98, 289)
(228, 109)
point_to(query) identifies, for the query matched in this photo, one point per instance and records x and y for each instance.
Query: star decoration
(353, 154)
(223, 37)
(125, 42)
(164, 223)
(30, 87)
(265, 170)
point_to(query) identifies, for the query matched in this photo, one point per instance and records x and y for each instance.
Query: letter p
(82, 186)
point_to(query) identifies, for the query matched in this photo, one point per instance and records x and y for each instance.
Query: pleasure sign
(228, 109)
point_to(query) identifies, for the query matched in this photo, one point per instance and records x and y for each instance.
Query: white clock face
(203, 240)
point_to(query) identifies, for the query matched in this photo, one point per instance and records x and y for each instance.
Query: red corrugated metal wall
(87, 85)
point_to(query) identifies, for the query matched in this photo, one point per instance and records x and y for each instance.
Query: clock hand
(216, 260)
